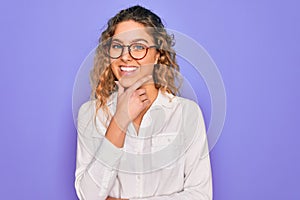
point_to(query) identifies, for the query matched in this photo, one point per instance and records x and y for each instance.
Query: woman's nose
(126, 55)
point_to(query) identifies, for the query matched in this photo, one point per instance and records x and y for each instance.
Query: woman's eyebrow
(138, 40)
(132, 41)
(116, 40)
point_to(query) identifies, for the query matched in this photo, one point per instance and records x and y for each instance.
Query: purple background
(255, 45)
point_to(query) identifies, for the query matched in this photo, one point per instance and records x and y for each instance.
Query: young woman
(136, 138)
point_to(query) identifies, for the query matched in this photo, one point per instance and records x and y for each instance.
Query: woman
(136, 138)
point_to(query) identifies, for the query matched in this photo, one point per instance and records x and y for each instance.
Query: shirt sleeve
(97, 158)
(198, 177)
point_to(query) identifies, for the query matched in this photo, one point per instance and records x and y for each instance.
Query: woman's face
(126, 68)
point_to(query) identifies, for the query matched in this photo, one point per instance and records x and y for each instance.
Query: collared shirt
(167, 159)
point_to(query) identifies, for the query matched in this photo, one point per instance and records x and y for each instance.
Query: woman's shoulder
(173, 101)
(187, 103)
(87, 105)
(91, 110)
(190, 108)
(88, 108)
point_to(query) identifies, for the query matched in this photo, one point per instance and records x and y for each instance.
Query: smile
(128, 69)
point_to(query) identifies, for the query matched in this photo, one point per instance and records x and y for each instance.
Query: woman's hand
(131, 102)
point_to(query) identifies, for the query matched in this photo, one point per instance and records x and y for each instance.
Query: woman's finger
(143, 97)
(140, 91)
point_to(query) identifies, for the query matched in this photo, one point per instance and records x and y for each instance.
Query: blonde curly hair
(165, 71)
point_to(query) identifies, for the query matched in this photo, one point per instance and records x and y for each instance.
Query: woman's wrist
(121, 120)
(116, 134)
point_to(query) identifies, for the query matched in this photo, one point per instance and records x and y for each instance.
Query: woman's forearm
(115, 134)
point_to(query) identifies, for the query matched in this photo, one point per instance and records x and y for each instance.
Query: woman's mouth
(128, 70)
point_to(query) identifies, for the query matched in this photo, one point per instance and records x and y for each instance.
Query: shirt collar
(165, 100)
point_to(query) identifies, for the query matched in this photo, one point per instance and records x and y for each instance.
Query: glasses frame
(129, 50)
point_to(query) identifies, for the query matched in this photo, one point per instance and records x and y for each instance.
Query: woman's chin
(126, 83)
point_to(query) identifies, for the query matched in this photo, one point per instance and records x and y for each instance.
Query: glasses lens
(138, 50)
(115, 50)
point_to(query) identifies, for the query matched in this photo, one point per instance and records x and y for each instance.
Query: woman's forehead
(132, 35)
(129, 31)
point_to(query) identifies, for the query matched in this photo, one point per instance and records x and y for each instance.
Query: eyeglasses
(136, 50)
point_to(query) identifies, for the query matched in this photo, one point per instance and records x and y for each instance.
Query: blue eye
(116, 46)
(138, 47)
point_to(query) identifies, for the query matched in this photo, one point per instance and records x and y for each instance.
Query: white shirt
(167, 159)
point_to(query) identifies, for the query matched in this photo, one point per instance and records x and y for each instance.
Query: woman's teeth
(128, 69)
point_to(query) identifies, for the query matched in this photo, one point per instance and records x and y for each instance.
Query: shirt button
(138, 177)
